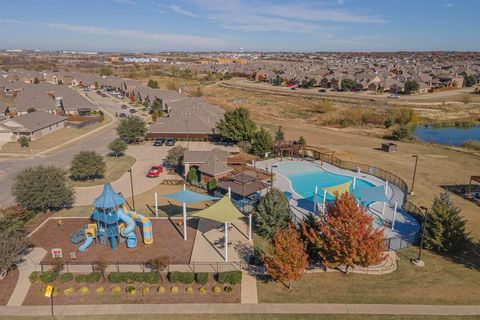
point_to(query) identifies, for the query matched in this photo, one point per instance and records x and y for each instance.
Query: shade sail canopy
(187, 196)
(341, 188)
(109, 198)
(371, 194)
(222, 211)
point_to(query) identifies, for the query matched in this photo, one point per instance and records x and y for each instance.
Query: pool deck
(405, 224)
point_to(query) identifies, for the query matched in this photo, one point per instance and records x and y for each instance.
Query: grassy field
(116, 167)
(80, 211)
(440, 282)
(246, 316)
(51, 140)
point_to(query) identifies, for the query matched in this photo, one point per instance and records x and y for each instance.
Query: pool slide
(129, 230)
(88, 242)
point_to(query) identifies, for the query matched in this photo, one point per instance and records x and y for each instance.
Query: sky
(253, 25)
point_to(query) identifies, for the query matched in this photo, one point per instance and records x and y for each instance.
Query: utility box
(389, 147)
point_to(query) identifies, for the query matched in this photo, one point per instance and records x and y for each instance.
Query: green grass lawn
(441, 281)
(116, 167)
(247, 316)
(80, 211)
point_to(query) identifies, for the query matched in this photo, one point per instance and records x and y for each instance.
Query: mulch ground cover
(36, 296)
(7, 286)
(168, 240)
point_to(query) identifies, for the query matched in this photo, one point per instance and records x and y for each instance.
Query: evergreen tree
(273, 213)
(237, 125)
(262, 142)
(192, 175)
(302, 141)
(445, 230)
(279, 135)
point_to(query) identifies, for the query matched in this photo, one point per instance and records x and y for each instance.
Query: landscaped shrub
(56, 292)
(100, 290)
(115, 290)
(182, 277)
(201, 277)
(174, 290)
(80, 278)
(145, 290)
(131, 290)
(83, 291)
(189, 290)
(34, 277)
(115, 277)
(202, 290)
(150, 277)
(48, 276)
(128, 277)
(66, 277)
(93, 277)
(161, 290)
(230, 277)
(216, 289)
(228, 289)
(68, 291)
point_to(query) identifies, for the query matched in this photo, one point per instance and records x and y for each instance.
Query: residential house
(33, 125)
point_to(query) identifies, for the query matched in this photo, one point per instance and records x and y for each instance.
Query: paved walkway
(116, 309)
(249, 288)
(27, 266)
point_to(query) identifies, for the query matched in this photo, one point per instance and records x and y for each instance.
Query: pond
(449, 136)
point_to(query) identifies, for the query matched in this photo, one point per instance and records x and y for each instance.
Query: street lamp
(131, 186)
(418, 261)
(414, 173)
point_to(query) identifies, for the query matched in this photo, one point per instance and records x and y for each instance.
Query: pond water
(450, 136)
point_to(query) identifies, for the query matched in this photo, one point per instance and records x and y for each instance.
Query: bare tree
(12, 245)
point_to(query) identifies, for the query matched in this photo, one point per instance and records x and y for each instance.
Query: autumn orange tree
(346, 237)
(285, 260)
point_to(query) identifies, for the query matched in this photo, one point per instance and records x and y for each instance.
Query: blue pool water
(305, 176)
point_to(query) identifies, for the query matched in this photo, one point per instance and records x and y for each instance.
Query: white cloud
(179, 10)
(153, 39)
(254, 15)
(129, 2)
(449, 5)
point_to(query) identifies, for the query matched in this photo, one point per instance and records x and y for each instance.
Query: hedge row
(131, 277)
(230, 277)
(90, 278)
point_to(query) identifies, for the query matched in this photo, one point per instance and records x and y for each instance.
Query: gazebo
(223, 211)
(184, 197)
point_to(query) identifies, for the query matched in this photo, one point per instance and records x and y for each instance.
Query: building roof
(242, 189)
(197, 156)
(36, 120)
(214, 166)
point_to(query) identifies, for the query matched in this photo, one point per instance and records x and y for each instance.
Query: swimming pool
(305, 176)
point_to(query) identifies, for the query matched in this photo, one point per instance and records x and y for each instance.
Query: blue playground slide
(86, 244)
(129, 230)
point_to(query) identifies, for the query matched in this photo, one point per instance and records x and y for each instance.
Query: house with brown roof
(32, 125)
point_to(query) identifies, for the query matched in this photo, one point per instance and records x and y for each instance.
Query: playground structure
(112, 223)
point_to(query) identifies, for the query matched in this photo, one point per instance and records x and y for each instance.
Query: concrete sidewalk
(126, 309)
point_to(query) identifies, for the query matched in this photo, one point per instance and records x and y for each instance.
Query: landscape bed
(167, 238)
(7, 286)
(105, 292)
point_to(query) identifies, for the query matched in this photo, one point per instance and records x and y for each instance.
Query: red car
(154, 172)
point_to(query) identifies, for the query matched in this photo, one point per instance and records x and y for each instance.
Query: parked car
(124, 106)
(154, 172)
(122, 115)
(132, 110)
(170, 142)
(103, 94)
(159, 142)
(393, 96)
(99, 92)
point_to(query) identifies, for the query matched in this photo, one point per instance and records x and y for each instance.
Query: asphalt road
(9, 168)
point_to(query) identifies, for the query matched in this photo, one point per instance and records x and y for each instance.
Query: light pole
(271, 175)
(131, 187)
(418, 261)
(414, 173)
(186, 124)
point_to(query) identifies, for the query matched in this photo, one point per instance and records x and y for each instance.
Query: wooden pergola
(286, 146)
(472, 179)
(317, 150)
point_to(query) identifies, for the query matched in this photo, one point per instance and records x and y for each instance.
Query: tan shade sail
(341, 188)
(221, 211)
